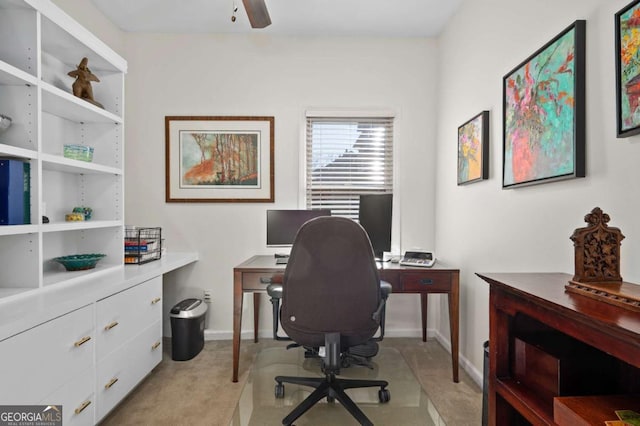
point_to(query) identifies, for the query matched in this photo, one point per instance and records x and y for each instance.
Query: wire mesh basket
(142, 245)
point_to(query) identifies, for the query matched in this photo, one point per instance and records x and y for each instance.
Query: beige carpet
(200, 391)
(194, 392)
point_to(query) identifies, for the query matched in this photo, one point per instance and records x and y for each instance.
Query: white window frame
(353, 113)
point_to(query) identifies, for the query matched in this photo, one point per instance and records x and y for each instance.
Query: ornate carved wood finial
(597, 249)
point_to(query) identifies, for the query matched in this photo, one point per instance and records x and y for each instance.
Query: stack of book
(15, 192)
(142, 245)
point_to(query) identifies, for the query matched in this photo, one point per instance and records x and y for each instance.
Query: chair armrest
(385, 289)
(380, 313)
(275, 291)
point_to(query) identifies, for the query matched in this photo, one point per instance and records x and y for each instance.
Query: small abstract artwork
(473, 152)
(628, 70)
(219, 159)
(544, 113)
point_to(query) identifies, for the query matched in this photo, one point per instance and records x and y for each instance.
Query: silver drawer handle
(156, 300)
(82, 407)
(155, 345)
(426, 281)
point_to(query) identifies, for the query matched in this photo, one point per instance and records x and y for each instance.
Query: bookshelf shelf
(45, 308)
(12, 76)
(18, 229)
(76, 226)
(35, 91)
(53, 277)
(64, 105)
(66, 165)
(14, 151)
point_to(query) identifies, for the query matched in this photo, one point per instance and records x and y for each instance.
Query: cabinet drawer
(40, 360)
(123, 315)
(121, 370)
(433, 281)
(259, 281)
(77, 399)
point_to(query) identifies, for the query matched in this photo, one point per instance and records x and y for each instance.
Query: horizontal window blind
(346, 157)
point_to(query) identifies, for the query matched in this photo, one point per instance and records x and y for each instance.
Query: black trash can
(485, 385)
(187, 329)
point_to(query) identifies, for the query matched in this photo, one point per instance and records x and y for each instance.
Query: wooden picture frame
(544, 113)
(628, 70)
(220, 159)
(473, 149)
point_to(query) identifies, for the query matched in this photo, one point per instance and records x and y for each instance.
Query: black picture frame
(627, 72)
(544, 113)
(473, 149)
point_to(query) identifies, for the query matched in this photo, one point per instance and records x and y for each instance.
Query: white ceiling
(387, 18)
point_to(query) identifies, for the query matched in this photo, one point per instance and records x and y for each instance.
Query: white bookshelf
(42, 45)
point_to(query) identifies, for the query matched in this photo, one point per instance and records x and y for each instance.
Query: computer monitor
(375, 217)
(283, 225)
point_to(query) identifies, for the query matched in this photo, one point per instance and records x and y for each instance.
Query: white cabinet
(129, 341)
(38, 361)
(77, 399)
(121, 317)
(122, 369)
(84, 346)
(42, 45)
(53, 363)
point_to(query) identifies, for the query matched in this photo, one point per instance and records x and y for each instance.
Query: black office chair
(331, 298)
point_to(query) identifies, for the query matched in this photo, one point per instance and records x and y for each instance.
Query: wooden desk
(537, 303)
(253, 276)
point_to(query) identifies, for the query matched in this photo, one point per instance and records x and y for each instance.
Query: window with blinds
(346, 157)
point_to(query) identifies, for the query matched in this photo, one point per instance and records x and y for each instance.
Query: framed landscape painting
(473, 150)
(628, 70)
(544, 113)
(219, 159)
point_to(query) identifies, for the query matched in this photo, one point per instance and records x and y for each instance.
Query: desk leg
(237, 322)
(454, 323)
(256, 315)
(424, 303)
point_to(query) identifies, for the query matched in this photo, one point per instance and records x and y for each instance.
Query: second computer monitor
(375, 217)
(283, 225)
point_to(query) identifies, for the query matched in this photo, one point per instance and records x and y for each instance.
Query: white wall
(482, 227)
(278, 76)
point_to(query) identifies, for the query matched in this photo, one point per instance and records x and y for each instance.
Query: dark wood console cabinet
(546, 342)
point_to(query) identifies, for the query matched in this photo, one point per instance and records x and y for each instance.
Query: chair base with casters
(330, 386)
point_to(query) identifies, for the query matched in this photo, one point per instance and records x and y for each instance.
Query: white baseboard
(472, 371)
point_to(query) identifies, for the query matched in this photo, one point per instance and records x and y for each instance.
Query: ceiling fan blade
(257, 13)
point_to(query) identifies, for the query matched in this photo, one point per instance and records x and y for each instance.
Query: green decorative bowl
(79, 262)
